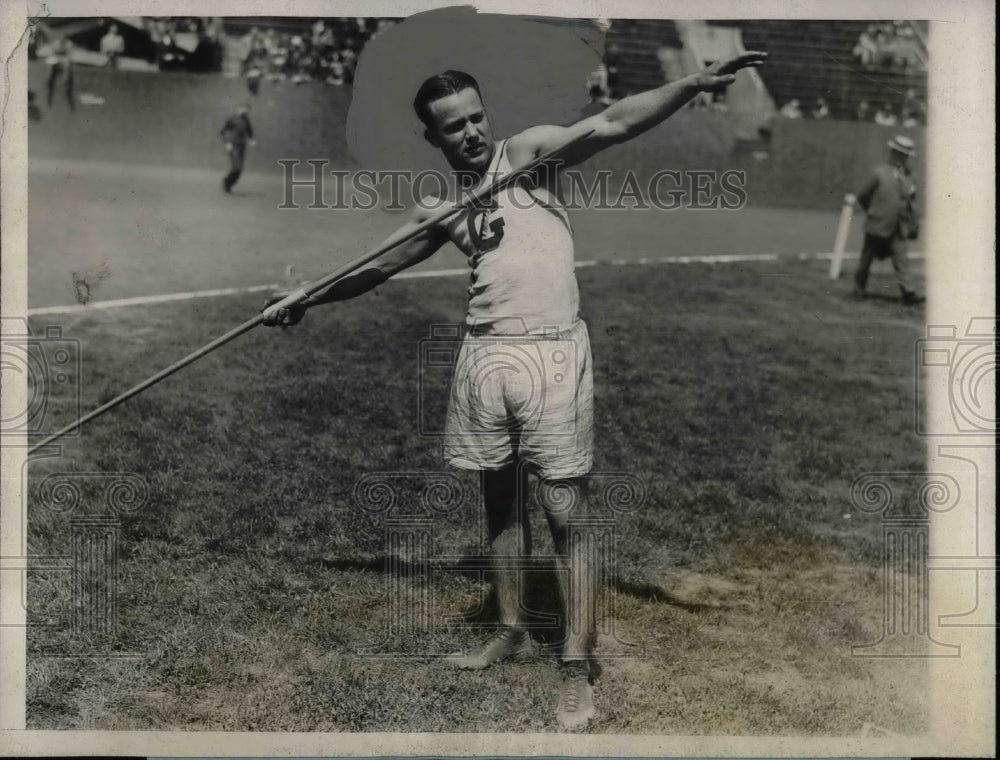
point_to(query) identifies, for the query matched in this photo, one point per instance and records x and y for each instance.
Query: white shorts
(527, 397)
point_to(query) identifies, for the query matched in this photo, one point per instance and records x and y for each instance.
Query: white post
(842, 229)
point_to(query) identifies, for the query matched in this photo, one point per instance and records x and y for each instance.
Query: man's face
(461, 130)
(897, 158)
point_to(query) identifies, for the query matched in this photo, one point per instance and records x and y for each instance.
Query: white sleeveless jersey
(520, 248)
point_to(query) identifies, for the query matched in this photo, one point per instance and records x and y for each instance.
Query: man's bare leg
(509, 534)
(564, 502)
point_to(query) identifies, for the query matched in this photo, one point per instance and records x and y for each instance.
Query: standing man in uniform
(523, 299)
(237, 133)
(889, 200)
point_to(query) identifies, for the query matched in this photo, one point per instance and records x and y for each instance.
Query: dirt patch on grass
(768, 651)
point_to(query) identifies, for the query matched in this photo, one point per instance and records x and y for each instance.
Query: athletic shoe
(506, 643)
(576, 699)
(225, 187)
(912, 299)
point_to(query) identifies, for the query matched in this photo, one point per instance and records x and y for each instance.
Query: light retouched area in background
(529, 71)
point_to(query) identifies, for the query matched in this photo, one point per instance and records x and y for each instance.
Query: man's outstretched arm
(405, 255)
(629, 117)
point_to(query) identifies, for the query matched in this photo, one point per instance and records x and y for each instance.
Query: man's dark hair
(440, 86)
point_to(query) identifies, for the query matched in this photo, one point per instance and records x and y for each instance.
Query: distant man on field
(60, 63)
(889, 200)
(237, 133)
(113, 46)
(522, 294)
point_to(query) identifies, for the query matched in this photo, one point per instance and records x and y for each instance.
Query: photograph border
(961, 203)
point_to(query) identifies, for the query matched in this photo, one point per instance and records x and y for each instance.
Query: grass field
(252, 587)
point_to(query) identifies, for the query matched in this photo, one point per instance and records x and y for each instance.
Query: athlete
(237, 133)
(505, 419)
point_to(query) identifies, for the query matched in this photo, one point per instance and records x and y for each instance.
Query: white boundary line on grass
(77, 308)
(734, 258)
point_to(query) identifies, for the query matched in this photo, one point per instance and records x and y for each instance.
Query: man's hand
(253, 143)
(285, 316)
(723, 73)
(229, 147)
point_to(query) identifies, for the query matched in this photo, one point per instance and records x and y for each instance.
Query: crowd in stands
(910, 112)
(178, 42)
(793, 110)
(889, 45)
(328, 53)
(186, 41)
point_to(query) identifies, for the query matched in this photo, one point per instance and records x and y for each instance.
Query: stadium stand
(811, 59)
(188, 43)
(300, 49)
(632, 45)
(134, 116)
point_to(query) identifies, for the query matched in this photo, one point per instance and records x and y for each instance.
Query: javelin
(312, 288)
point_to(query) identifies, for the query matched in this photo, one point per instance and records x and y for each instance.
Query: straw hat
(902, 144)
